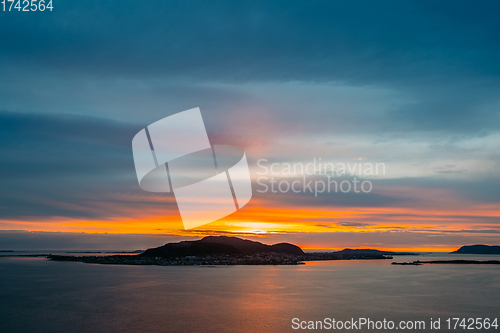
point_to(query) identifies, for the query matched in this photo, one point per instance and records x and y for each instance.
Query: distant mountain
(373, 252)
(220, 245)
(478, 249)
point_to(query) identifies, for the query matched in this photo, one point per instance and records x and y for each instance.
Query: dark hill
(219, 245)
(373, 252)
(478, 249)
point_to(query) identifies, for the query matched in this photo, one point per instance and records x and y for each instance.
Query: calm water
(37, 295)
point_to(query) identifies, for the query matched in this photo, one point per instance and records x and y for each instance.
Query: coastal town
(271, 258)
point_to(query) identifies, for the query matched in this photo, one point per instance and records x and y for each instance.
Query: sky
(412, 85)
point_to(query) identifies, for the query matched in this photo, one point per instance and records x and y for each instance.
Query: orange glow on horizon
(438, 248)
(264, 219)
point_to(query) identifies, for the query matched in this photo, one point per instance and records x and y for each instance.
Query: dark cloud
(64, 165)
(76, 166)
(57, 145)
(444, 56)
(471, 190)
(356, 41)
(340, 195)
(80, 81)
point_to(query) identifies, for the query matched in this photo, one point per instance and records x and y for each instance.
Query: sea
(38, 295)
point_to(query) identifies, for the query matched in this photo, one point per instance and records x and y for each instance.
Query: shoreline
(452, 262)
(212, 260)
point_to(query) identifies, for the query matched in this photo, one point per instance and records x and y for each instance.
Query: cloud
(416, 70)
(70, 166)
(65, 165)
(258, 40)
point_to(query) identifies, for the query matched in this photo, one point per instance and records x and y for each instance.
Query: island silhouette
(478, 249)
(220, 245)
(466, 249)
(226, 250)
